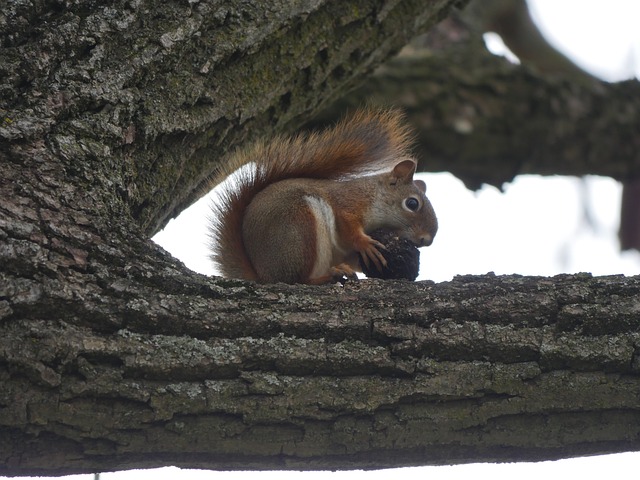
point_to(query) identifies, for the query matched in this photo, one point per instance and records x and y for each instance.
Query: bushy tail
(365, 142)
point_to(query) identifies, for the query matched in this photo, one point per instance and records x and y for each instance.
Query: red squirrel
(299, 210)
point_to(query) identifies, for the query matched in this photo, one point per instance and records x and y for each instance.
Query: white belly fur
(327, 248)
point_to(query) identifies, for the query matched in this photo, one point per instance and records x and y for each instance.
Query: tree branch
(168, 88)
(486, 120)
(478, 369)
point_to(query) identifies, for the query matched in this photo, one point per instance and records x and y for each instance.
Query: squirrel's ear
(404, 170)
(421, 185)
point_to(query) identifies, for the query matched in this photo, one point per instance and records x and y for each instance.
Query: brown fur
(366, 142)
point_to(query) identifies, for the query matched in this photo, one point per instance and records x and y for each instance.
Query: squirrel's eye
(411, 203)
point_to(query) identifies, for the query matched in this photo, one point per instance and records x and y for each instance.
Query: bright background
(538, 226)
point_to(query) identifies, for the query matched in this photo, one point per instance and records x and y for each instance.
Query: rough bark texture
(373, 374)
(162, 90)
(113, 355)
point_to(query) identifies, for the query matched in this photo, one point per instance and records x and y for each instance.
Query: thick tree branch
(486, 120)
(478, 369)
(165, 89)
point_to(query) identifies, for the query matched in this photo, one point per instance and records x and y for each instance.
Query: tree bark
(226, 375)
(113, 355)
(161, 91)
(486, 120)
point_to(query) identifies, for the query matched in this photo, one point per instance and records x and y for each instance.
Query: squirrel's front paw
(370, 253)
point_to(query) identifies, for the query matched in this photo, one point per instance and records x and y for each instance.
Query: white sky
(602, 36)
(591, 468)
(535, 228)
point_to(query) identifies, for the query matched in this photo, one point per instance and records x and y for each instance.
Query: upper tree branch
(167, 88)
(486, 120)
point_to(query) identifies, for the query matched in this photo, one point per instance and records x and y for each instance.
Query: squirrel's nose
(426, 240)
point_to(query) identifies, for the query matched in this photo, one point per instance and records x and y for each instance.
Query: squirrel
(300, 209)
